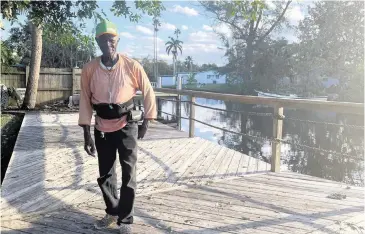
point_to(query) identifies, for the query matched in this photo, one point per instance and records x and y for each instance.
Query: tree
(20, 42)
(173, 46)
(189, 63)
(148, 65)
(191, 79)
(180, 66)
(209, 66)
(177, 32)
(7, 56)
(61, 49)
(57, 14)
(273, 63)
(164, 68)
(332, 46)
(251, 22)
(39, 13)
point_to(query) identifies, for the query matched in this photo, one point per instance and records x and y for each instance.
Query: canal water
(305, 131)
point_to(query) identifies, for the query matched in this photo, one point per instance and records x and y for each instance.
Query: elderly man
(108, 85)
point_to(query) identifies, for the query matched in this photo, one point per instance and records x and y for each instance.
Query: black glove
(142, 129)
(89, 143)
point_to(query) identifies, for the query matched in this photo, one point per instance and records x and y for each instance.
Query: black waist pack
(117, 111)
(113, 111)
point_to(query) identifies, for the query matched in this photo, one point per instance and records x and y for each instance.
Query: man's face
(108, 44)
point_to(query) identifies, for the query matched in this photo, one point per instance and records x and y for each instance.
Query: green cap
(106, 27)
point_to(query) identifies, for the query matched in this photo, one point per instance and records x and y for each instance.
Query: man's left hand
(142, 129)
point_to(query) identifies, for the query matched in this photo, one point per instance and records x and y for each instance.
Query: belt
(113, 111)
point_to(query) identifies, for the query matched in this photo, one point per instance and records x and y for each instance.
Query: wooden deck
(185, 185)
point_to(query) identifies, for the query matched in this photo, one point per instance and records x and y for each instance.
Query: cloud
(168, 26)
(184, 27)
(204, 53)
(207, 28)
(127, 35)
(223, 29)
(129, 51)
(202, 36)
(151, 39)
(185, 10)
(144, 30)
(147, 47)
(201, 47)
(294, 15)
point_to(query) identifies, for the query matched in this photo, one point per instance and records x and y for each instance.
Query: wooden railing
(278, 106)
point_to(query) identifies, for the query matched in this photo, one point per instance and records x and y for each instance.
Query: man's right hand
(89, 143)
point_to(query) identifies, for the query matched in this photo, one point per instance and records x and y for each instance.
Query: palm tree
(173, 46)
(156, 24)
(177, 32)
(189, 63)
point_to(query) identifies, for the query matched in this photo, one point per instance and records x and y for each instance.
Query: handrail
(192, 120)
(266, 114)
(340, 107)
(277, 116)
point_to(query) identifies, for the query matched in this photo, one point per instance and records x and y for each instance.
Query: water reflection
(345, 140)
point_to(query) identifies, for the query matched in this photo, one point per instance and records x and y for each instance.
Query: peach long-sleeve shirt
(122, 81)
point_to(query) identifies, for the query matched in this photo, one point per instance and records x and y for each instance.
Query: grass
(5, 119)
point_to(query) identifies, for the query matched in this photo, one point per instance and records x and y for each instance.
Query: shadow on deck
(185, 185)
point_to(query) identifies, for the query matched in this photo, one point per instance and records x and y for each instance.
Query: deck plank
(202, 172)
(211, 172)
(222, 169)
(233, 166)
(273, 202)
(184, 185)
(179, 166)
(189, 175)
(164, 154)
(6, 230)
(305, 186)
(160, 169)
(29, 227)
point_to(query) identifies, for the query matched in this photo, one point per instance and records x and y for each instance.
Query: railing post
(159, 108)
(192, 117)
(178, 103)
(179, 83)
(277, 135)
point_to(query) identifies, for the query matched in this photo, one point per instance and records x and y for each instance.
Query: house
(206, 77)
(167, 81)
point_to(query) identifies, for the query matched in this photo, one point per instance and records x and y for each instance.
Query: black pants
(125, 142)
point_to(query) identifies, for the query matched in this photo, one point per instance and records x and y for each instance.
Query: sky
(199, 39)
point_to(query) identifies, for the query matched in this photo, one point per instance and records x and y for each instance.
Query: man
(108, 84)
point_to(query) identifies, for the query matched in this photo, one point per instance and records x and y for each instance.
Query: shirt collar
(109, 68)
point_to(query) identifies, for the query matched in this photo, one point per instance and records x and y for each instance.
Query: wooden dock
(185, 185)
